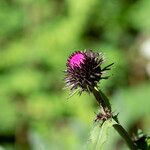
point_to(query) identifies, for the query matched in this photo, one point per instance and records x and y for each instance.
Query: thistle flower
(84, 71)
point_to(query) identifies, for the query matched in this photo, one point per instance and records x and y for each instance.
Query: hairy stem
(123, 133)
(103, 101)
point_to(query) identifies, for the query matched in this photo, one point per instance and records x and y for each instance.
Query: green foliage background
(36, 37)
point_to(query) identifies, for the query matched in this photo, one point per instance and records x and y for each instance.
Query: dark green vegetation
(36, 37)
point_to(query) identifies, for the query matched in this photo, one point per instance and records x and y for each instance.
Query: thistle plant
(84, 72)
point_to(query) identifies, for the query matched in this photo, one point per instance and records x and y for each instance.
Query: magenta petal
(76, 60)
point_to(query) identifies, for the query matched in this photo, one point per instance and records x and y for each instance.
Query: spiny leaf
(99, 135)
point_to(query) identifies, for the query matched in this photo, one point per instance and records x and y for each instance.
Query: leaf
(99, 135)
(142, 141)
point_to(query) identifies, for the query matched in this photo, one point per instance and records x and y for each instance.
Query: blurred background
(36, 38)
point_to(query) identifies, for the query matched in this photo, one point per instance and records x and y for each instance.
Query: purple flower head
(84, 70)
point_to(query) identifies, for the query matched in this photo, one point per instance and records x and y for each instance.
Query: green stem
(123, 133)
(101, 98)
(103, 101)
